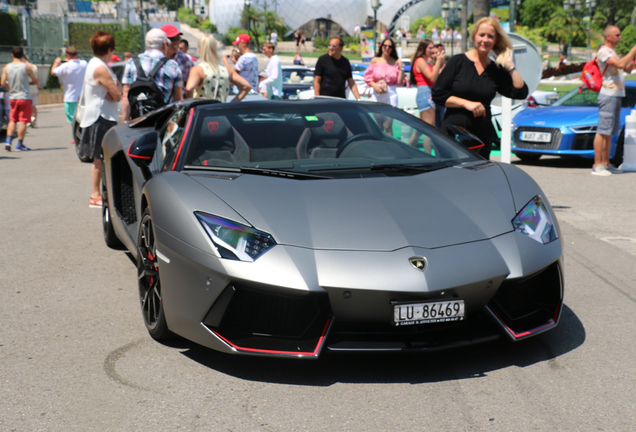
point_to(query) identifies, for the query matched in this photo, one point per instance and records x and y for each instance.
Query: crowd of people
(455, 92)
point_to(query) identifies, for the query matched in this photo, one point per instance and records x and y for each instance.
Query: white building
(346, 13)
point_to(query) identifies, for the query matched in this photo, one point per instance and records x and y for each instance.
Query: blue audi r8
(567, 127)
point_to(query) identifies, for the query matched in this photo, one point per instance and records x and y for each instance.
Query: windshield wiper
(259, 171)
(407, 168)
(281, 173)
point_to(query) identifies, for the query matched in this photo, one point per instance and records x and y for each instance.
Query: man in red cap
(185, 63)
(247, 64)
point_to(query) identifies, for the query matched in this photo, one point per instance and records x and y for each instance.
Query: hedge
(125, 40)
(10, 29)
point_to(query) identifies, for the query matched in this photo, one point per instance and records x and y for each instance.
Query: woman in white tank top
(209, 79)
(102, 92)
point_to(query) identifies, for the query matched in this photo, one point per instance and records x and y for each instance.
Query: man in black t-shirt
(332, 71)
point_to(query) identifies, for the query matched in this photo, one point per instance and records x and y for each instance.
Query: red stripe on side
(291, 353)
(185, 134)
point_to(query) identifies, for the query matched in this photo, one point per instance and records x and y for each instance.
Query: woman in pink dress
(384, 74)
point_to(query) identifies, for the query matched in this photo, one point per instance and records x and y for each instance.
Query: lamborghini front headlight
(233, 240)
(535, 222)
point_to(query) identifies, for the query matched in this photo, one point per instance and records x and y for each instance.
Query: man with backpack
(151, 80)
(609, 98)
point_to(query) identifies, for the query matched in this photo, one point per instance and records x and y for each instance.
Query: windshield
(318, 137)
(588, 98)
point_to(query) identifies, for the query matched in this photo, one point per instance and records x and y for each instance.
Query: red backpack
(591, 76)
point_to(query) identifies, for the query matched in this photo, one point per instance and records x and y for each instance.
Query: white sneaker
(611, 168)
(600, 170)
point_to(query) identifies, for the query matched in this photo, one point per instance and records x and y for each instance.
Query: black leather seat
(219, 141)
(322, 141)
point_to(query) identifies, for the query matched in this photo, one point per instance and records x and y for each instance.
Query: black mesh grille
(254, 319)
(525, 304)
(123, 194)
(257, 312)
(583, 141)
(552, 145)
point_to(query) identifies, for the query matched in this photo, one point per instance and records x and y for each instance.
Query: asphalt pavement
(75, 356)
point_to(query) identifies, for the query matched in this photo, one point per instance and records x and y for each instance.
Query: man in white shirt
(610, 97)
(71, 73)
(272, 86)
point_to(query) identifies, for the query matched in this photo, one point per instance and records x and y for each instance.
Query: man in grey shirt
(18, 75)
(247, 64)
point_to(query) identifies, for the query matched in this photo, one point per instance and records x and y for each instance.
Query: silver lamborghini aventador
(289, 228)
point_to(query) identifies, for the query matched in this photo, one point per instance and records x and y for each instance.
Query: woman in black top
(469, 82)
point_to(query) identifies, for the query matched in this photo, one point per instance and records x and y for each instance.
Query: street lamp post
(590, 5)
(28, 6)
(513, 14)
(375, 5)
(248, 3)
(571, 5)
(449, 13)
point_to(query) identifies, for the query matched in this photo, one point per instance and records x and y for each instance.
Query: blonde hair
(207, 49)
(503, 45)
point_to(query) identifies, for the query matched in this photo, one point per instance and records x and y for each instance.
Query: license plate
(544, 137)
(429, 312)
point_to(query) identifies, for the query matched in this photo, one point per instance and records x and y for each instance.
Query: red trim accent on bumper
(517, 336)
(314, 353)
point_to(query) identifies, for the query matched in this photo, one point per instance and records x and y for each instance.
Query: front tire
(150, 280)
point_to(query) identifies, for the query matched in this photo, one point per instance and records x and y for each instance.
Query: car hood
(557, 116)
(441, 208)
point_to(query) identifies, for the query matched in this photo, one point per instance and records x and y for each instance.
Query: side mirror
(143, 149)
(464, 137)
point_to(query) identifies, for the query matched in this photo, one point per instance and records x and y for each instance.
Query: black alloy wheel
(150, 281)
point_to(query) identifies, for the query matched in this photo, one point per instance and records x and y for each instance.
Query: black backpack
(144, 95)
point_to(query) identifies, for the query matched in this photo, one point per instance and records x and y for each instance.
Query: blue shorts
(424, 98)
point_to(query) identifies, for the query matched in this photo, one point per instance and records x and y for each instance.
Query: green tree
(533, 35)
(537, 13)
(252, 18)
(275, 22)
(628, 40)
(615, 12)
(170, 4)
(558, 28)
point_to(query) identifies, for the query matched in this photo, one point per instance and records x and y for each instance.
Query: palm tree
(565, 25)
(252, 17)
(274, 22)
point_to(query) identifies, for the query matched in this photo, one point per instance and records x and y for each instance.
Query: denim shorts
(424, 98)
